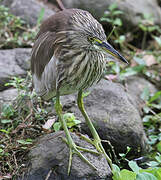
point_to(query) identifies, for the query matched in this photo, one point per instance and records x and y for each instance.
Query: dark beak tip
(125, 61)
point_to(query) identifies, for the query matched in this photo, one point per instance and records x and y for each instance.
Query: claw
(74, 149)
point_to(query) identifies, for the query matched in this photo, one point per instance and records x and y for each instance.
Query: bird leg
(74, 149)
(97, 141)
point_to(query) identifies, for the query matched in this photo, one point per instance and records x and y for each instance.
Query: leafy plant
(70, 120)
(14, 32)
(148, 27)
(137, 173)
(112, 16)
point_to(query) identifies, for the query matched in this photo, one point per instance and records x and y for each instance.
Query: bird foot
(98, 145)
(74, 149)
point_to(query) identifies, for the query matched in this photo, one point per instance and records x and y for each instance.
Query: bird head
(106, 48)
(89, 34)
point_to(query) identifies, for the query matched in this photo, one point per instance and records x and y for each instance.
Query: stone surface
(51, 153)
(133, 9)
(7, 96)
(28, 10)
(114, 116)
(135, 86)
(13, 62)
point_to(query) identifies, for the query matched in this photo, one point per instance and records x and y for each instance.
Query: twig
(60, 4)
(15, 160)
(111, 33)
(48, 175)
(112, 150)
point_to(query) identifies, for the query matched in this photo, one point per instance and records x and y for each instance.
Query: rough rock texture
(28, 10)
(114, 116)
(13, 62)
(135, 86)
(133, 9)
(7, 96)
(51, 153)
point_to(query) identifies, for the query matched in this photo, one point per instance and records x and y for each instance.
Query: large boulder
(50, 157)
(114, 115)
(135, 86)
(13, 62)
(29, 10)
(133, 9)
(116, 119)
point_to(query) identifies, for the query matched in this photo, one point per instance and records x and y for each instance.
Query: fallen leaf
(149, 60)
(111, 77)
(48, 123)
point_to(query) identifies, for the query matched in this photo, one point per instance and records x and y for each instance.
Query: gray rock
(28, 10)
(135, 86)
(13, 62)
(133, 9)
(114, 116)
(51, 153)
(7, 96)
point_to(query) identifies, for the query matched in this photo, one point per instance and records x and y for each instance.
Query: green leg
(97, 141)
(74, 149)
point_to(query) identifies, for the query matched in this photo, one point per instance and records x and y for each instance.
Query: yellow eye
(91, 39)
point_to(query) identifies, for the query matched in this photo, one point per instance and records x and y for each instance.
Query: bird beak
(109, 49)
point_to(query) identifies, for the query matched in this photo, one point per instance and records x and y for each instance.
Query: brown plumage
(69, 55)
(63, 39)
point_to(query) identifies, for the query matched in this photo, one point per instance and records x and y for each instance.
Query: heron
(70, 55)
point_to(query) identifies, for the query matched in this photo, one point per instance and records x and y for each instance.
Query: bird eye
(91, 39)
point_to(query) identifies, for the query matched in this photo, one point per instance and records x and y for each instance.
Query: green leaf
(152, 163)
(133, 165)
(152, 28)
(85, 94)
(1, 150)
(155, 171)
(77, 122)
(5, 131)
(159, 136)
(7, 110)
(145, 94)
(146, 109)
(116, 172)
(157, 106)
(57, 126)
(112, 6)
(116, 68)
(159, 149)
(140, 61)
(145, 176)
(122, 154)
(24, 142)
(115, 167)
(158, 173)
(117, 12)
(127, 175)
(69, 117)
(158, 40)
(152, 139)
(143, 28)
(122, 38)
(131, 71)
(5, 121)
(106, 19)
(147, 118)
(155, 96)
(117, 22)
